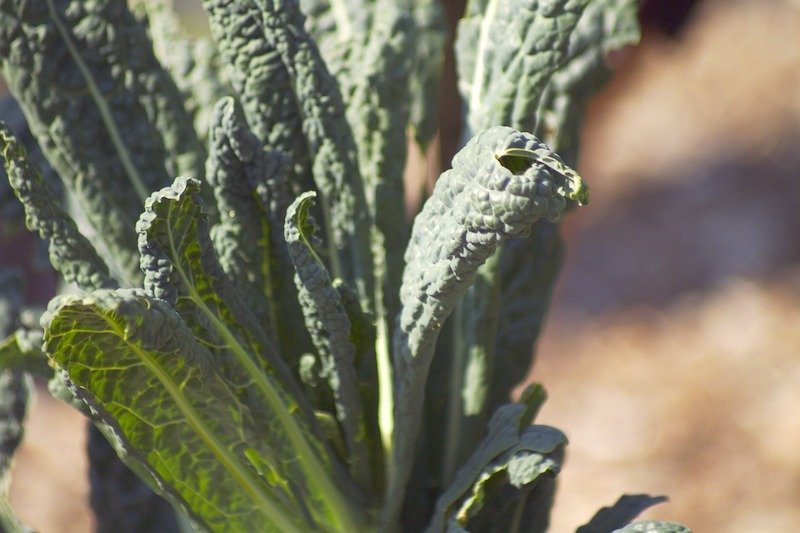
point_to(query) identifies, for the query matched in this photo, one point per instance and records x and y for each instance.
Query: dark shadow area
(735, 215)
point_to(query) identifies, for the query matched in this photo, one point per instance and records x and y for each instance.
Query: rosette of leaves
(256, 320)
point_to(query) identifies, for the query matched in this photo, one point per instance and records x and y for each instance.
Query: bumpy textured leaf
(193, 62)
(277, 46)
(72, 254)
(506, 52)
(260, 79)
(500, 184)
(181, 267)
(329, 326)
(621, 513)
(654, 526)
(11, 212)
(241, 239)
(516, 452)
(604, 27)
(134, 360)
(107, 116)
(369, 45)
(252, 195)
(529, 268)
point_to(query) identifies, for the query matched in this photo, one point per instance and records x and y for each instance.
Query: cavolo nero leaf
(72, 254)
(367, 44)
(280, 52)
(605, 26)
(181, 267)
(529, 268)
(252, 194)
(507, 478)
(241, 238)
(506, 53)
(135, 362)
(616, 516)
(107, 116)
(476, 205)
(329, 326)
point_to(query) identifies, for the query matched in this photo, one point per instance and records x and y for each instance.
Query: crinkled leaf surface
(507, 50)
(475, 206)
(72, 254)
(513, 450)
(329, 326)
(134, 360)
(107, 116)
(180, 266)
(279, 50)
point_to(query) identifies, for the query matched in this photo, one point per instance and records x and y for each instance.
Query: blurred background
(672, 353)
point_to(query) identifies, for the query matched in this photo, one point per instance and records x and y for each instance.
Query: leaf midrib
(102, 105)
(313, 469)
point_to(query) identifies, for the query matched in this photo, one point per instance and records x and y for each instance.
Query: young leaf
(620, 514)
(329, 326)
(72, 254)
(513, 448)
(241, 239)
(475, 206)
(106, 115)
(134, 360)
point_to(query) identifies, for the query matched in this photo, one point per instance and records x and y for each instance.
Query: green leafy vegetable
(135, 361)
(620, 514)
(101, 106)
(259, 359)
(329, 326)
(72, 254)
(490, 204)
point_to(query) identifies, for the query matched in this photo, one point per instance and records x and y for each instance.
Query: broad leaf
(134, 360)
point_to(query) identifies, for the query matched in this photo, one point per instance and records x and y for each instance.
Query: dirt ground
(672, 356)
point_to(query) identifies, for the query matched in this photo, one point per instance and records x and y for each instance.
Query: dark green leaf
(621, 513)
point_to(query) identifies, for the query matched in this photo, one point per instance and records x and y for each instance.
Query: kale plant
(257, 331)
